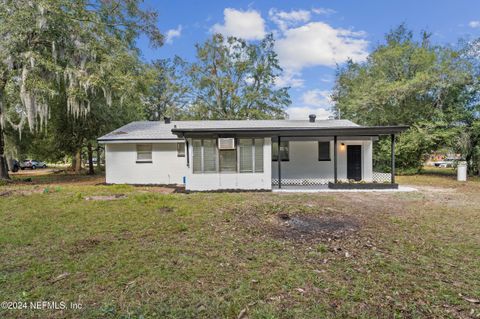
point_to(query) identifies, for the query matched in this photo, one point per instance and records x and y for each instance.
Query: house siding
(165, 168)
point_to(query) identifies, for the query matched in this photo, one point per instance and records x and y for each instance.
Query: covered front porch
(323, 162)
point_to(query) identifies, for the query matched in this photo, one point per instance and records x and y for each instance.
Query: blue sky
(311, 36)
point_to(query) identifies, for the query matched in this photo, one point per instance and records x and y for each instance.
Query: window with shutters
(250, 155)
(324, 151)
(204, 156)
(284, 149)
(246, 158)
(144, 153)
(228, 161)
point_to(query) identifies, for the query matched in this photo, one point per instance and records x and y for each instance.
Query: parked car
(448, 162)
(15, 166)
(32, 164)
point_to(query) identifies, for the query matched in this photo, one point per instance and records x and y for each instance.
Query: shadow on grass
(438, 171)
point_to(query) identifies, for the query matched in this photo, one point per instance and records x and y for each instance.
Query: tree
(67, 50)
(169, 93)
(233, 79)
(410, 82)
(467, 142)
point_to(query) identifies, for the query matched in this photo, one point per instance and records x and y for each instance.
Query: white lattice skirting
(302, 181)
(381, 177)
(376, 177)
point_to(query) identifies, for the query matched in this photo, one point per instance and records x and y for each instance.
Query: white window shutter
(209, 156)
(258, 155)
(197, 156)
(246, 155)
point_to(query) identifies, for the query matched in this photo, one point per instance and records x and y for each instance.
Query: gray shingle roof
(148, 130)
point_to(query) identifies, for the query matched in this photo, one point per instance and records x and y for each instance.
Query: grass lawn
(155, 254)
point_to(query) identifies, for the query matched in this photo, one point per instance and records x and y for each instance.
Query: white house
(244, 154)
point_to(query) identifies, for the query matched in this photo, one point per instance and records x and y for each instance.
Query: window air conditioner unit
(226, 143)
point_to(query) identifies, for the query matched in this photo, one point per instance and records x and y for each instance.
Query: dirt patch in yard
(157, 189)
(107, 197)
(21, 192)
(432, 189)
(318, 227)
(166, 209)
(84, 245)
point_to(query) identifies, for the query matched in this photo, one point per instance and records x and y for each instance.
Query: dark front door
(354, 162)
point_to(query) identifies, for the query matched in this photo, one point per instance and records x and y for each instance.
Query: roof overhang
(138, 140)
(291, 131)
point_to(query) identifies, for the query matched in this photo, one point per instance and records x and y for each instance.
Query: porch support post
(335, 159)
(392, 150)
(279, 159)
(187, 152)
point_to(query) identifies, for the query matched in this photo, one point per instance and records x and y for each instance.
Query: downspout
(187, 151)
(187, 154)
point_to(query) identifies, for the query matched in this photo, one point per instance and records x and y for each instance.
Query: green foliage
(74, 50)
(74, 64)
(408, 82)
(169, 93)
(230, 79)
(233, 79)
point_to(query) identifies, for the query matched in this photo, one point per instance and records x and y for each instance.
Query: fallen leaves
(242, 314)
(300, 290)
(469, 299)
(60, 277)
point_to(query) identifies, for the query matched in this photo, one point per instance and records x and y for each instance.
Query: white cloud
(285, 19)
(302, 113)
(317, 43)
(302, 43)
(289, 78)
(327, 79)
(318, 98)
(474, 24)
(316, 102)
(248, 25)
(324, 11)
(173, 33)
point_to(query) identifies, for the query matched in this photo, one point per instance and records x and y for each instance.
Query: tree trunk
(91, 171)
(3, 159)
(99, 155)
(74, 162)
(470, 158)
(78, 161)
